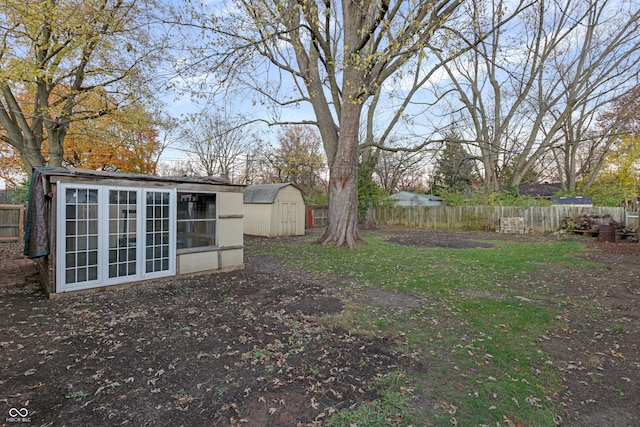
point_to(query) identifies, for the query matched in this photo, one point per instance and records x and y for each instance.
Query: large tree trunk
(31, 158)
(56, 136)
(343, 209)
(491, 182)
(343, 184)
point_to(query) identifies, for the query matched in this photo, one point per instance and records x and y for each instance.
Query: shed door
(288, 218)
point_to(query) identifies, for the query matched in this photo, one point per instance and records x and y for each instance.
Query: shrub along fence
(540, 219)
(12, 222)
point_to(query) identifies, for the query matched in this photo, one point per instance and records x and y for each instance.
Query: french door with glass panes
(111, 235)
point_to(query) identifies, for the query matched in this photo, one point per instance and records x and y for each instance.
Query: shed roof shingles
(263, 193)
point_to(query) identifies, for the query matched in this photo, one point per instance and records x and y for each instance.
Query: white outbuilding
(274, 210)
(89, 229)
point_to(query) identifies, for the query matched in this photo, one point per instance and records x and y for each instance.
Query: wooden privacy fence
(12, 222)
(631, 219)
(538, 219)
(318, 215)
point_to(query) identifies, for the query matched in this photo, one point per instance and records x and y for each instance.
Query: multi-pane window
(81, 235)
(123, 220)
(157, 232)
(114, 234)
(196, 220)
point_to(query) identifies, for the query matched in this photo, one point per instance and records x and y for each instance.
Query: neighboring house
(585, 201)
(89, 229)
(274, 210)
(406, 198)
(548, 190)
(545, 190)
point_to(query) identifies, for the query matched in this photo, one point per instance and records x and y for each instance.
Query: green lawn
(471, 349)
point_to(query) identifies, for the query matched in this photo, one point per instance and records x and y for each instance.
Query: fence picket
(12, 222)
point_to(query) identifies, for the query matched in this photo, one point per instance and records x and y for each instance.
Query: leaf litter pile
(248, 347)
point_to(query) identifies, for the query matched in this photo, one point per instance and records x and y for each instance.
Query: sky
(182, 105)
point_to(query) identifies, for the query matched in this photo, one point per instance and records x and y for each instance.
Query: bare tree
(402, 170)
(335, 56)
(182, 167)
(539, 83)
(169, 136)
(253, 166)
(219, 143)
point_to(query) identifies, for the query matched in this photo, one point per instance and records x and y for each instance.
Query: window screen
(197, 216)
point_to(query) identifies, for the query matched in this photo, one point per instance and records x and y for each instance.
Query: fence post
(22, 224)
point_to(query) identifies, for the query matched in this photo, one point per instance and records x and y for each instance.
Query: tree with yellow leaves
(80, 60)
(125, 139)
(615, 178)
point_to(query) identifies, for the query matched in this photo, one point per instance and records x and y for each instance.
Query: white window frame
(172, 234)
(103, 236)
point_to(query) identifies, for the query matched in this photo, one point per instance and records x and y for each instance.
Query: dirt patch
(247, 348)
(438, 240)
(236, 348)
(387, 298)
(598, 349)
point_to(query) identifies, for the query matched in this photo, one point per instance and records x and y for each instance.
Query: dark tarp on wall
(36, 236)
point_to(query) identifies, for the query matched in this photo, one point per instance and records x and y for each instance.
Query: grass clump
(390, 408)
